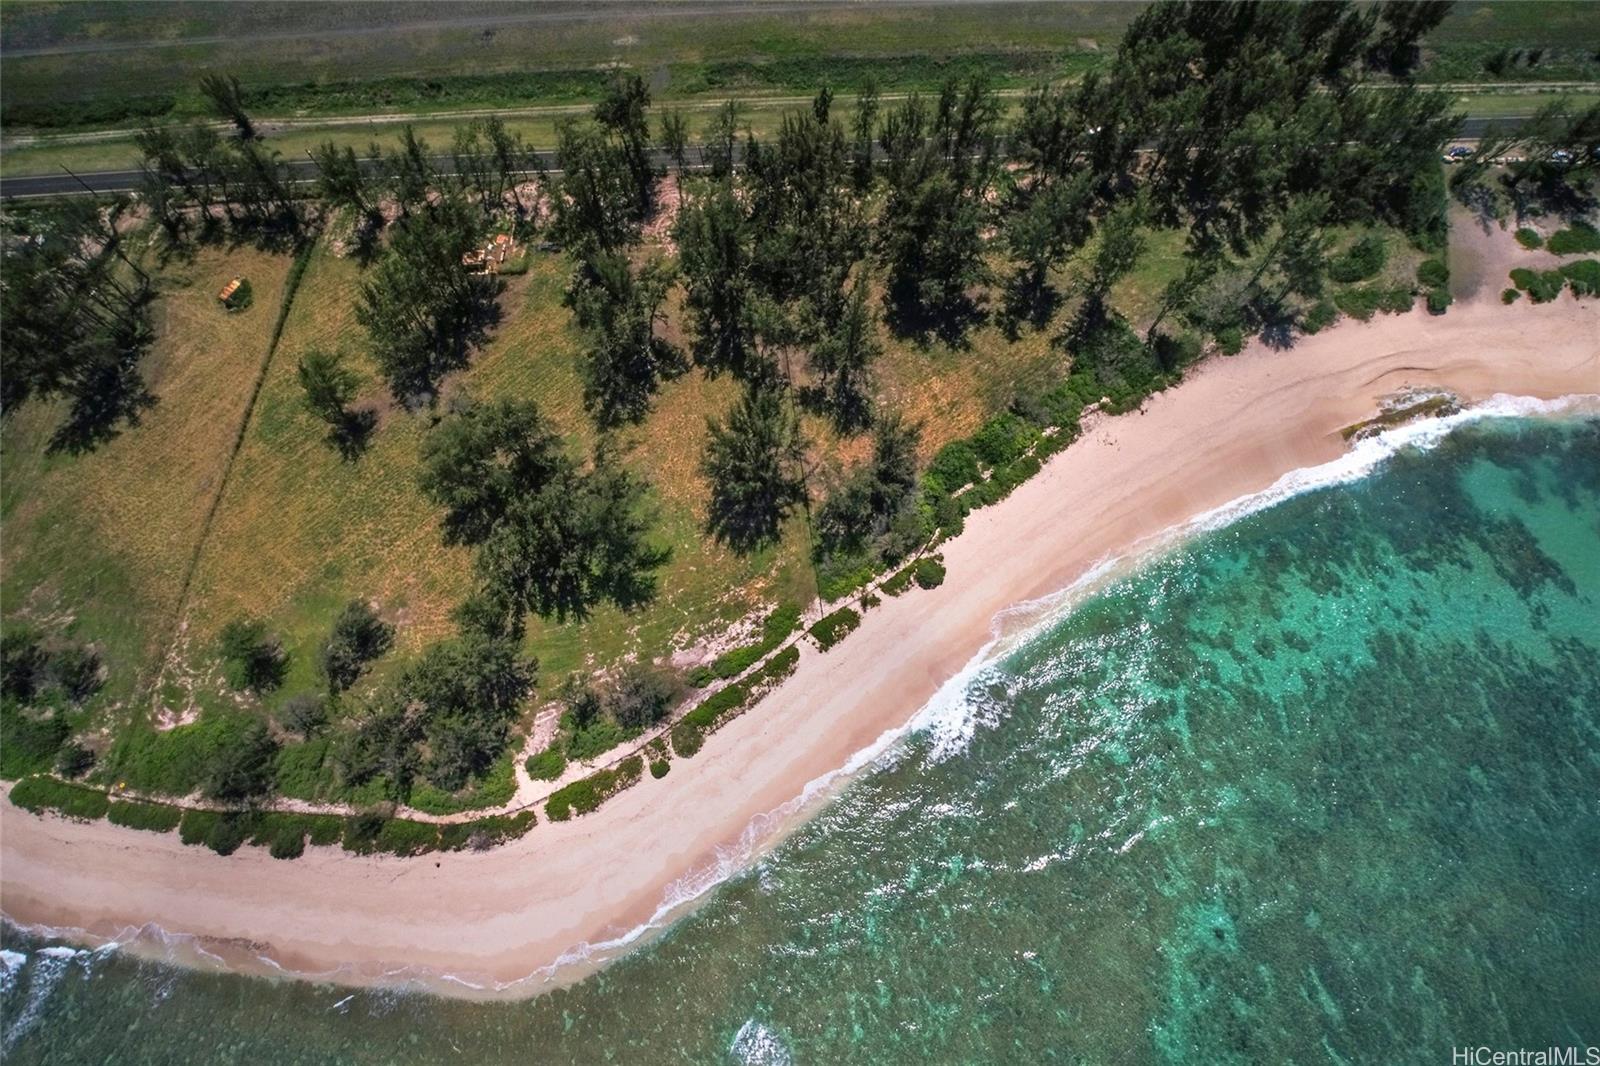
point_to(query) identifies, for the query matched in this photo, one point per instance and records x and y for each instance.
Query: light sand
(1232, 429)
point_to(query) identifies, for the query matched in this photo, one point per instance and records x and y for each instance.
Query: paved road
(303, 170)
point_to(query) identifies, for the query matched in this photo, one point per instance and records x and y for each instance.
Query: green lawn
(108, 537)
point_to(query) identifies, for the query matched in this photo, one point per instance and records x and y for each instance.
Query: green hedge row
(40, 794)
(584, 796)
(284, 833)
(774, 630)
(488, 832)
(832, 628)
(154, 817)
(728, 703)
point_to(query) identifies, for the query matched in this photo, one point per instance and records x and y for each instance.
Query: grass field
(107, 538)
(297, 532)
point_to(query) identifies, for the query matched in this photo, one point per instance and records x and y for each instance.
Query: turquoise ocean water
(1318, 786)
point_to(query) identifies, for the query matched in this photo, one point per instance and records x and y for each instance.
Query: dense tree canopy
(620, 310)
(939, 165)
(76, 322)
(754, 462)
(550, 538)
(426, 314)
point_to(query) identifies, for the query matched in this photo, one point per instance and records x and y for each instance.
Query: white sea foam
(49, 967)
(10, 963)
(757, 1044)
(952, 716)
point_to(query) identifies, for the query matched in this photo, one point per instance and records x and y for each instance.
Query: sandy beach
(497, 917)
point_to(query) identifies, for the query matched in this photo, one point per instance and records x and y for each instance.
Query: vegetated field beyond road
(552, 53)
(102, 64)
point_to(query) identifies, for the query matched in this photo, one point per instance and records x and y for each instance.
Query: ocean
(1318, 782)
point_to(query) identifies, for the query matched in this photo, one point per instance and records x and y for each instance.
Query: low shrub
(1319, 317)
(484, 833)
(1583, 276)
(493, 788)
(869, 601)
(1003, 438)
(282, 833)
(1578, 239)
(1054, 442)
(228, 830)
(1361, 261)
(286, 833)
(1230, 340)
(1063, 408)
(785, 619)
(196, 825)
(547, 765)
(1439, 300)
(832, 628)
(900, 582)
(839, 576)
(1360, 303)
(39, 794)
(954, 466)
(728, 703)
(597, 738)
(402, 836)
(659, 768)
(1529, 238)
(288, 846)
(1510, 296)
(1396, 301)
(1015, 473)
(152, 817)
(582, 797)
(1542, 286)
(28, 745)
(1433, 273)
(325, 830)
(299, 771)
(175, 762)
(687, 739)
(370, 833)
(929, 572)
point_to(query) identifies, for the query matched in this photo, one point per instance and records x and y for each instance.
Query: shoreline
(553, 905)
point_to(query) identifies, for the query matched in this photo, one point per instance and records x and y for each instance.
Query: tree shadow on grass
(951, 322)
(352, 434)
(1026, 300)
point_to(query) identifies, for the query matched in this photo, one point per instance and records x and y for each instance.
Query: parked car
(1457, 154)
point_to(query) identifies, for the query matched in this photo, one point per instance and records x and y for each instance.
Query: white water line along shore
(553, 904)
